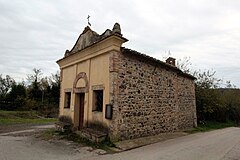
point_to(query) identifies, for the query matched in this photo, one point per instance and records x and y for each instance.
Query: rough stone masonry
(149, 96)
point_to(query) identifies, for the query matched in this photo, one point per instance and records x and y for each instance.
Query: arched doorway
(79, 99)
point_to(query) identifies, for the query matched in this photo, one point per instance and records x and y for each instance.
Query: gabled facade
(130, 93)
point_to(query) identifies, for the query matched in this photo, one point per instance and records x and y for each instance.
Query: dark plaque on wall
(108, 111)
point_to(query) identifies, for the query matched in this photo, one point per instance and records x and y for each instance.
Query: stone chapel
(130, 93)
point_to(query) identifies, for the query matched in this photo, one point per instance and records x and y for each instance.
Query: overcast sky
(36, 33)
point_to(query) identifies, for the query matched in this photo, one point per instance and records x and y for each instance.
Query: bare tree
(35, 77)
(5, 85)
(184, 64)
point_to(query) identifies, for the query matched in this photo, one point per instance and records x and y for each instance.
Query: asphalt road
(221, 144)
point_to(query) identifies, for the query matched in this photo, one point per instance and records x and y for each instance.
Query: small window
(98, 100)
(67, 101)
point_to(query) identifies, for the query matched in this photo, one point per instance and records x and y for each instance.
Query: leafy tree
(55, 87)
(213, 102)
(206, 79)
(230, 98)
(18, 90)
(41, 93)
(207, 98)
(17, 96)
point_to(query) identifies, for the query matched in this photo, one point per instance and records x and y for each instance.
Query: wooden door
(81, 110)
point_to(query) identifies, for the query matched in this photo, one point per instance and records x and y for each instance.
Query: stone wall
(186, 104)
(148, 98)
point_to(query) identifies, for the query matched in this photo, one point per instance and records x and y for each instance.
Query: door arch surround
(81, 75)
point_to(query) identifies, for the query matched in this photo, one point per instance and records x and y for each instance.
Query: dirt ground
(21, 142)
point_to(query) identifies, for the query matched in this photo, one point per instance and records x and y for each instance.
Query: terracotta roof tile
(152, 60)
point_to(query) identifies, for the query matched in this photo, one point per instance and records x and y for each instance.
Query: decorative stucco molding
(68, 90)
(98, 87)
(81, 75)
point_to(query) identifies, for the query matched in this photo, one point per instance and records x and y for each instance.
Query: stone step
(92, 135)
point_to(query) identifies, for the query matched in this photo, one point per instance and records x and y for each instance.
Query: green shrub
(65, 119)
(64, 124)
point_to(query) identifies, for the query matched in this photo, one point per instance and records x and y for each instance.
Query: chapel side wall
(146, 99)
(187, 103)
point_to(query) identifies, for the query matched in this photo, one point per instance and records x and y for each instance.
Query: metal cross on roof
(88, 20)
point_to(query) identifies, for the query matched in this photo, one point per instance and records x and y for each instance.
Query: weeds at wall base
(211, 125)
(52, 134)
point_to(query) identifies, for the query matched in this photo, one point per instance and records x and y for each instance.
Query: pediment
(89, 37)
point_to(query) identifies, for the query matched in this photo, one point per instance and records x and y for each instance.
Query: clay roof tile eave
(156, 61)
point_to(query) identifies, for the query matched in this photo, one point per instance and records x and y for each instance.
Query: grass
(22, 117)
(211, 125)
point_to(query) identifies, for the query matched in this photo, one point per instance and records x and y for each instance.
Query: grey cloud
(37, 33)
